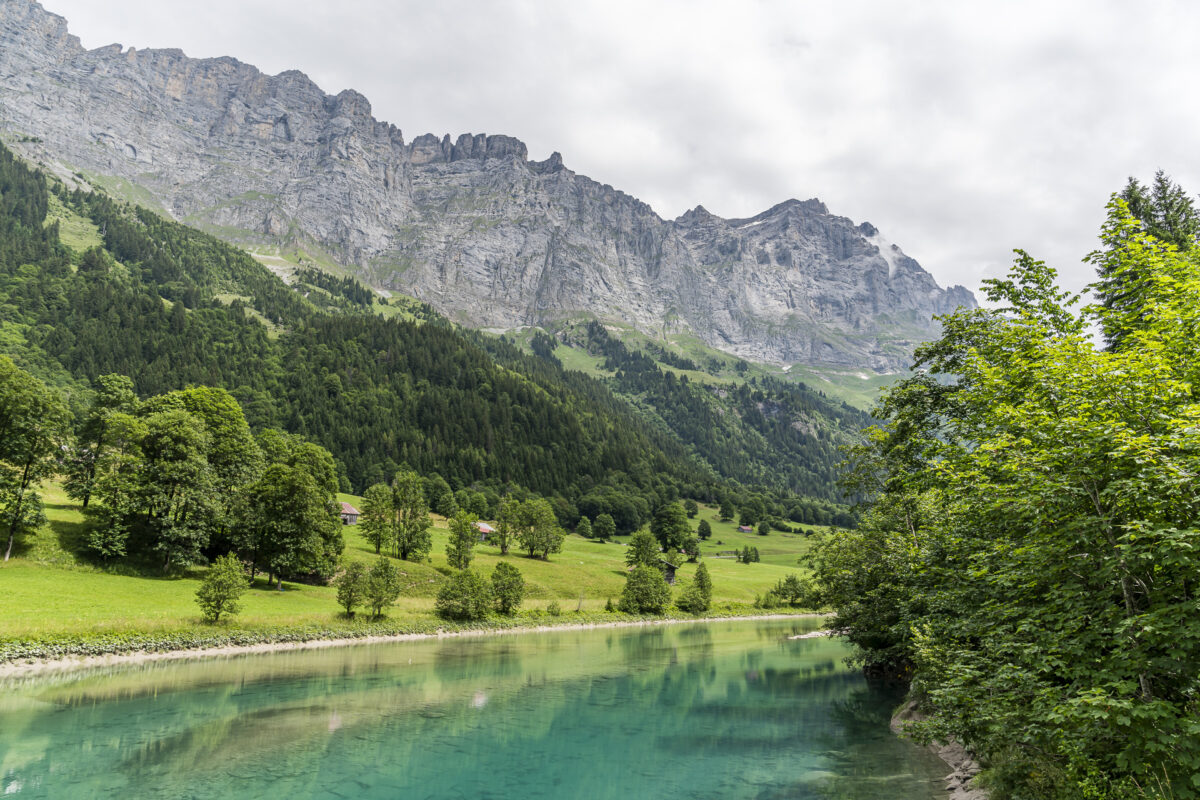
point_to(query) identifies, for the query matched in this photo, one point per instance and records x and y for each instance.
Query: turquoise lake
(713, 710)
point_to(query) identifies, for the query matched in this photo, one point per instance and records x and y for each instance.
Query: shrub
(465, 596)
(554, 609)
(222, 586)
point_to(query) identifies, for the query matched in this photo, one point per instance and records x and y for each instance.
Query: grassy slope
(50, 591)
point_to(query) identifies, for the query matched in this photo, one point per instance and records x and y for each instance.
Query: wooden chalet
(349, 514)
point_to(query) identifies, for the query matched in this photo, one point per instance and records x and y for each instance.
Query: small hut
(349, 514)
(485, 530)
(668, 570)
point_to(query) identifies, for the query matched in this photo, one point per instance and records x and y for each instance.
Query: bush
(508, 588)
(223, 584)
(646, 591)
(554, 609)
(466, 596)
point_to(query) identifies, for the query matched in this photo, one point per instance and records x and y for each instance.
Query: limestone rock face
(470, 225)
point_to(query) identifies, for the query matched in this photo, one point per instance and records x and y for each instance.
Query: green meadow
(53, 589)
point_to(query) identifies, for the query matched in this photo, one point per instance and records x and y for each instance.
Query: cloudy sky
(961, 129)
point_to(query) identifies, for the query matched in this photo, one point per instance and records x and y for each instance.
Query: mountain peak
(468, 224)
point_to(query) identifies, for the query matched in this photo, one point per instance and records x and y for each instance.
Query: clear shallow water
(715, 710)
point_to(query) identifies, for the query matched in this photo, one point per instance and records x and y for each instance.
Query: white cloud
(961, 130)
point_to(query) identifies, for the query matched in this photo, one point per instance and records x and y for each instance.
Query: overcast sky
(961, 129)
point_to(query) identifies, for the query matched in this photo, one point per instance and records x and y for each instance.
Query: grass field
(51, 589)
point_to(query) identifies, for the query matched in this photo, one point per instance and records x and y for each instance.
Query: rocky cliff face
(469, 225)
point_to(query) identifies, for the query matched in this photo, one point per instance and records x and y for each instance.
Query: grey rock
(470, 225)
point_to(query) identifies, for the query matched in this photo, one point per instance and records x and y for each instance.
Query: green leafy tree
(33, 426)
(670, 526)
(464, 596)
(538, 530)
(584, 528)
(175, 487)
(1166, 213)
(727, 510)
(507, 524)
(791, 589)
(412, 522)
(604, 527)
(222, 587)
(691, 508)
(508, 588)
(646, 591)
(691, 548)
(382, 586)
(643, 550)
(288, 524)
(114, 395)
(113, 485)
(377, 523)
(1030, 553)
(460, 546)
(352, 586)
(704, 530)
(764, 528)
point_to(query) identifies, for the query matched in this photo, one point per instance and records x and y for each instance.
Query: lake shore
(71, 663)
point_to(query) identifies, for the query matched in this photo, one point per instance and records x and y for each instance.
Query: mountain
(91, 286)
(469, 225)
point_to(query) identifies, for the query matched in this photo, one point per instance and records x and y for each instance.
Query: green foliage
(465, 595)
(382, 585)
(411, 520)
(696, 597)
(460, 547)
(584, 528)
(646, 591)
(792, 589)
(764, 528)
(670, 526)
(351, 586)
(537, 529)
(223, 585)
(377, 520)
(508, 588)
(704, 530)
(1031, 556)
(642, 549)
(691, 508)
(33, 427)
(604, 527)
(288, 525)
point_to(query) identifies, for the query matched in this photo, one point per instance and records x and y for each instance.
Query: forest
(173, 309)
(1029, 560)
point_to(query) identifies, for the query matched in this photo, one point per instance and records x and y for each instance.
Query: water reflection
(728, 710)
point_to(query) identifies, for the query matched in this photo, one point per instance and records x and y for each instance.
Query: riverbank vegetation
(1030, 560)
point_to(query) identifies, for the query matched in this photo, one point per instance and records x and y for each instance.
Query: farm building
(349, 514)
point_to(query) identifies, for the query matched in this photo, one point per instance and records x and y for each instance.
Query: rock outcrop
(470, 225)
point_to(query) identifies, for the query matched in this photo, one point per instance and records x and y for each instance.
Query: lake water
(715, 710)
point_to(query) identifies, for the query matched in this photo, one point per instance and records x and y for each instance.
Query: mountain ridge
(469, 225)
